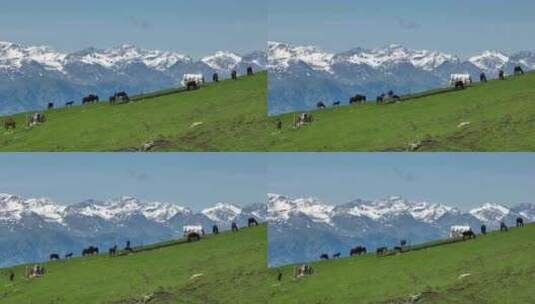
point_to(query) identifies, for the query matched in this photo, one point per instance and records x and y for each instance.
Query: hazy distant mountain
(31, 229)
(300, 76)
(301, 229)
(31, 76)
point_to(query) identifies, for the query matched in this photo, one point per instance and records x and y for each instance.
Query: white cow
(198, 78)
(193, 229)
(456, 232)
(465, 78)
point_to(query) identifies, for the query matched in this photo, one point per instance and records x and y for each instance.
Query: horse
(501, 75)
(337, 255)
(336, 104)
(518, 70)
(403, 243)
(215, 229)
(193, 236)
(50, 106)
(250, 71)
(380, 99)
(382, 250)
(398, 249)
(357, 99)
(519, 222)
(113, 251)
(69, 104)
(121, 97)
(91, 250)
(469, 234)
(215, 77)
(234, 75)
(482, 77)
(359, 250)
(10, 123)
(483, 229)
(90, 99)
(234, 227)
(252, 222)
(54, 257)
(503, 227)
(324, 256)
(320, 105)
(69, 255)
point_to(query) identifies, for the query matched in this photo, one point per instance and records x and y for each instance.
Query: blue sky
(456, 26)
(194, 180)
(464, 180)
(196, 28)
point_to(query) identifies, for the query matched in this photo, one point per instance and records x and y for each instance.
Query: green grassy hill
(232, 265)
(231, 116)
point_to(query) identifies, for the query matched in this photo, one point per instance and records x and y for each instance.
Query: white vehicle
(456, 232)
(192, 229)
(189, 80)
(465, 78)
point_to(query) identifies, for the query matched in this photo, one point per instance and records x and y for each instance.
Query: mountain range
(32, 76)
(301, 76)
(301, 229)
(31, 229)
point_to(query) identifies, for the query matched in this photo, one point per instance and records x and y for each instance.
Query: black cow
(192, 85)
(69, 104)
(483, 229)
(91, 250)
(250, 71)
(234, 227)
(234, 75)
(113, 251)
(320, 105)
(215, 77)
(518, 70)
(54, 256)
(50, 106)
(519, 222)
(324, 256)
(119, 97)
(382, 250)
(357, 99)
(215, 229)
(90, 99)
(398, 249)
(468, 235)
(503, 227)
(459, 84)
(501, 75)
(359, 250)
(193, 236)
(380, 99)
(69, 255)
(252, 222)
(482, 77)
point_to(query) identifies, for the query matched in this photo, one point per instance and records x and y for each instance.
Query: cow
(468, 235)
(35, 119)
(482, 77)
(215, 229)
(519, 222)
(252, 222)
(403, 243)
(466, 79)
(234, 75)
(215, 77)
(69, 255)
(398, 249)
(501, 75)
(337, 255)
(483, 229)
(320, 105)
(90, 99)
(324, 256)
(192, 81)
(382, 250)
(503, 227)
(459, 85)
(54, 257)
(113, 251)
(193, 236)
(91, 250)
(69, 104)
(518, 70)
(380, 99)
(193, 233)
(10, 123)
(250, 71)
(234, 227)
(359, 250)
(456, 232)
(50, 106)
(358, 99)
(119, 97)
(336, 104)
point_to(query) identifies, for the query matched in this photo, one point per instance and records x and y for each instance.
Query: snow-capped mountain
(301, 229)
(30, 229)
(300, 76)
(32, 76)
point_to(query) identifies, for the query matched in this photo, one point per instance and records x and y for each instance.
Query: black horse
(469, 234)
(519, 222)
(119, 97)
(90, 99)
(357, 99)
(403, 243)
(252, 222)
(482, 77)
(336, 104)
(337, 255)
(359, 250)
(324, 256)
(380, 99)
(250, 71)
(518, 70)
(382, 250)
(320, 105)
(69, 255)
(215, 229)
(215, 77)
(54, 256)
(234, 227)
(234, 75)
(483, 229)
(69, 104)
(91, 250)
(113, 251)
(501, 75)
(50, 106)
(503, 227)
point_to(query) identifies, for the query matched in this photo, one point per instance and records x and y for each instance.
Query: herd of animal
(457, 233)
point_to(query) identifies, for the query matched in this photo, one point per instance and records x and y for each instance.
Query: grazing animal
(234, 227)
(119, 97)
(192, 81)
(50, 106)
(320, 105)
(191, 85)
(54, 256)
(482, 77)
(336, 104)
(359, 250)
(11, 276)
(380, 99)
(403, 243)
(252, 222)
(91, 250)
(398, 249)
(279, 124)
(469, 235)
(303, 270)
(35, 119)
(113, 251)
(234, 75)
(215, 229)
(215, 77)
(518, 70)
(194, 236)
(90, 99)
(466, 79)
(69, 104)
(279, 277)
(501, 75)
(10, 123)
(459, 85)
(324, 256)
(382, 250)
(358, 99)
(519, 222)
(457, 232)
(503, 227)
(69, 255)
(337, 255)
(483, 229)
(250, 71)
(302, 119)
(396, 97)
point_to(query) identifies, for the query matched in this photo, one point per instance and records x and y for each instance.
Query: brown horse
(10, 123)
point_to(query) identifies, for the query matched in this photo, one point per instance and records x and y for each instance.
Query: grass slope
(232, 264)
(501, 116)
(501, 268)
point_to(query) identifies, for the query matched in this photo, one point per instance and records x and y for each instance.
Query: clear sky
(464, 180)
(196, 28)
(195, 180)
(457, 26)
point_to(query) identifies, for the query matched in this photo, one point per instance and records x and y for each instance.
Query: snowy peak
(281, 55)
(490, 60)
(14, 208)
(222, 212)
(222, 61)
(490, 212)
(282, 208)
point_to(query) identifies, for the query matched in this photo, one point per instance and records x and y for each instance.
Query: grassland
(231, 116)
